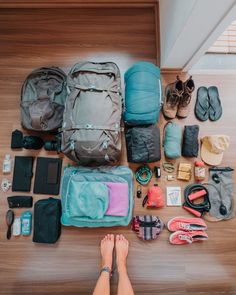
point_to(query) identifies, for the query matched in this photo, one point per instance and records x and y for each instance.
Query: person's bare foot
(107, 246)
(122, 250)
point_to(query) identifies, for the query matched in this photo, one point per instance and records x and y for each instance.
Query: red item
(199, 171)
(155, 197)
(197, 195)
(199, 164)
(194, 212)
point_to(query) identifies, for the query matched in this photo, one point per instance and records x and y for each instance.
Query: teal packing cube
(172, 140)
(143, 94)
(85, 196)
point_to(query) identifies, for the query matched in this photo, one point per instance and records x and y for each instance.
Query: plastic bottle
(6, 166)
(199, 171)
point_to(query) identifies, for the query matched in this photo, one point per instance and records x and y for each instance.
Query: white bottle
(6, 166)
(17, 227)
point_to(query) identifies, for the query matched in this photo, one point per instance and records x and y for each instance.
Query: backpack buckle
(89, 126)
(92, 87)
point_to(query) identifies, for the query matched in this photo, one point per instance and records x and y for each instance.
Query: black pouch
(16, 139)
(190, 141)
(47, 224)
(22, 174)
(143, 144)
(20, 201)
(48, 176)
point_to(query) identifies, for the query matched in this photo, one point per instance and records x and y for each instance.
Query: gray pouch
(221, 192)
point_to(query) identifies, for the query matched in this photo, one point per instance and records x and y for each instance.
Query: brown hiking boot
(173, 94)
(183, 108)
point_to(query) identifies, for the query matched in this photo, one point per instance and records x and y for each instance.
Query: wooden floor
(34, 38)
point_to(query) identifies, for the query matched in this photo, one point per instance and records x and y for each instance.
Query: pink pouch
(119, 201)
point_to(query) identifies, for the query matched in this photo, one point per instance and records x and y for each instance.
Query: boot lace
(185, 238)
(185, 99)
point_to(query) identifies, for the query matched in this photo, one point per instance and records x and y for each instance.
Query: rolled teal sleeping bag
(142, 94)
(172, 140)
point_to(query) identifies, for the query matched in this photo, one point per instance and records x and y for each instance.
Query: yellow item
(184, 171)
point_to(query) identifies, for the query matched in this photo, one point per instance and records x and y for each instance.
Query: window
(226, 43)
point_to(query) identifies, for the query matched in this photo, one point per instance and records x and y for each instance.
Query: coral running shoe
(182, 237)
(186, 224)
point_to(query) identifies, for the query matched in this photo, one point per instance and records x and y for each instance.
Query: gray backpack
(91, 124)
(43, 98)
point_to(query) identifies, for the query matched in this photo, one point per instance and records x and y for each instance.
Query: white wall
(189, 27)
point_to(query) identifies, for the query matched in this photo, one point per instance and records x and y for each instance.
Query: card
(173, 196)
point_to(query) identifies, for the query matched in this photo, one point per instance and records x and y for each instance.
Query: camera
(53, 145)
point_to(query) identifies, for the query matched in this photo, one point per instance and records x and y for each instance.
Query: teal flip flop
(202, 104)
(215, 107)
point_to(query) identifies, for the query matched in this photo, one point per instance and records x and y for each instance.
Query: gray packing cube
(172, 140)
(190, 141)
(143, 144)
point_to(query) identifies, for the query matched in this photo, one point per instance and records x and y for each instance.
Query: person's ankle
(121, 266)
(107, 263)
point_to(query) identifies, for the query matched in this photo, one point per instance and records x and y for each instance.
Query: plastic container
(26, 223)
(199, 171)
(6, 166)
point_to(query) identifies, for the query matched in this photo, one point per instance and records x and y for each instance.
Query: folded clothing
(90, 199)
(118, 199)
(143, 144)
(147, 227)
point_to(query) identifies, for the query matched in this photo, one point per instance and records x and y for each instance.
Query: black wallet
(22, 174)
(47, 221)
(16, 139)
(48, 176)
(20, 201)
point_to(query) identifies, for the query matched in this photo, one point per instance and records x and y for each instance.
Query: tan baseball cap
(213, 147)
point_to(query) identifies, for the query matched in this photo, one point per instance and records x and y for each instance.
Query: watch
(106, 269)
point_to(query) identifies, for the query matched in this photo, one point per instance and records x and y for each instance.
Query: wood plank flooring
(30, 38)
